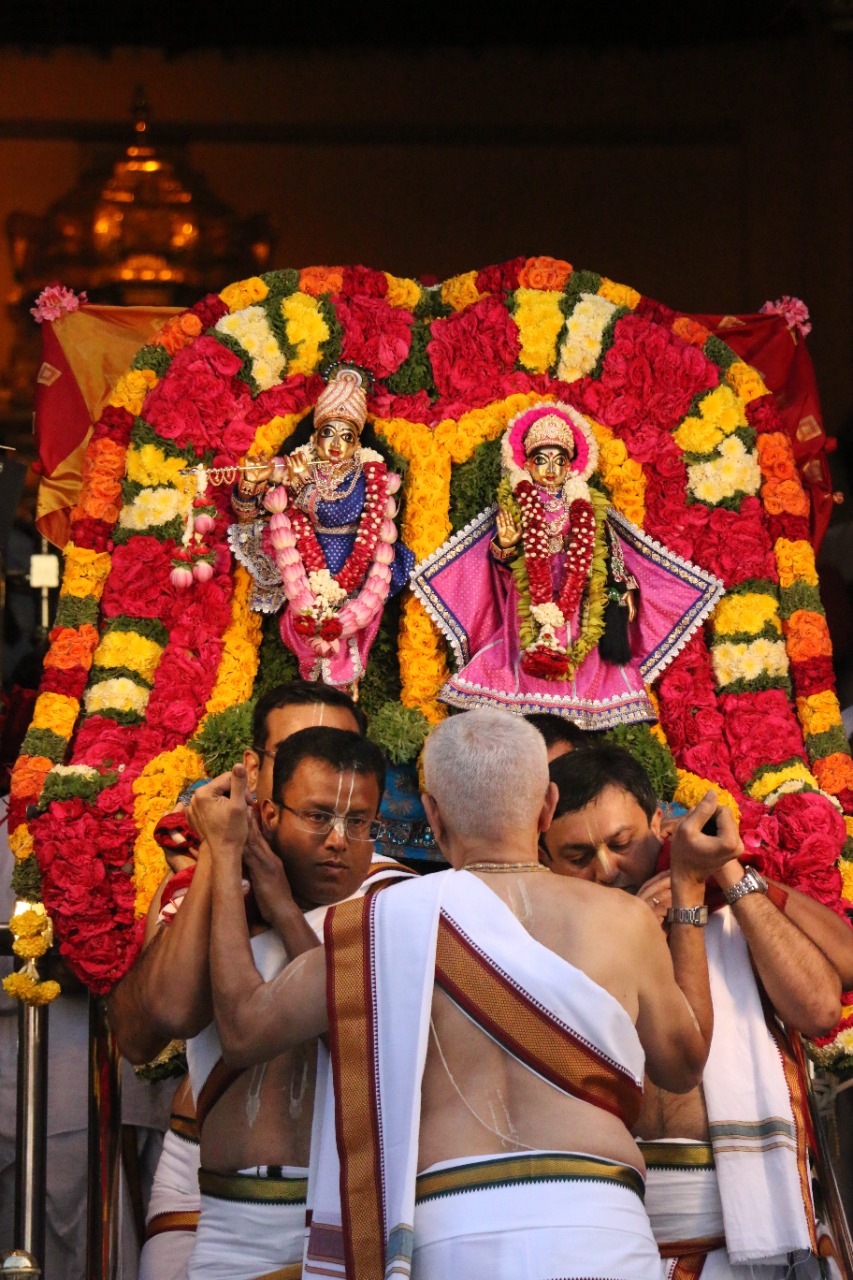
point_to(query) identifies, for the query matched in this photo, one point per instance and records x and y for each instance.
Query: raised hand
(698, 856)
(508, 532)
(220, 813)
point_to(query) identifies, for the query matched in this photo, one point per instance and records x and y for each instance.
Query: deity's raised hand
(508, 532)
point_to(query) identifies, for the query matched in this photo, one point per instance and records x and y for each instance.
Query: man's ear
(252, 763)
(434, 818)
(549, 804)
(654, 825)
(270, 815)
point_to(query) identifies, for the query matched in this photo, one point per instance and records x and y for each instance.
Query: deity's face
(548, 466)
(336, 440)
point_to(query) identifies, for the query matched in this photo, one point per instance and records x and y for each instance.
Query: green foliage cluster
(474, 483)
(656, 759)
(224, 737)
(399, 731)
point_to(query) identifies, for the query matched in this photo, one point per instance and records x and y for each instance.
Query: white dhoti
(686, 1213)
(533, 1216)
(173, 1209)
(251, 1227)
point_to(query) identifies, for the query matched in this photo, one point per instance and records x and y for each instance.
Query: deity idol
(327, 553)
(552, 601)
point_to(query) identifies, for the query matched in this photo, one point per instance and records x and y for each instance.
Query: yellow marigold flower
(129, 649)
(621, 295)
(85, 572)
(56, 712)
(21, 842)
(845, 866)
(746, 381)
(244, 293)
(30, 948)
(20, 986)
(722, 407)
(460, 291)
(156, 790)
(306, 328)
(795, 562)
(149, 466)
(848, 822)
(540, 321)
(402, 292)
(30, 923)
(775, 778)
(116, 695)
(696, 435)
(748, 613)
(132, 388)
(691, 788)
(819, 711)
(238, 667)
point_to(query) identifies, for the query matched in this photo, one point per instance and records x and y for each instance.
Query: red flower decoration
(761, 729)
(199, 395)
(502, 278)
(473, 349)
(376, 335)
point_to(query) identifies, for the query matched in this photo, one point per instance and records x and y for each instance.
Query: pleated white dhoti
(535, 1216)
(250, 1227)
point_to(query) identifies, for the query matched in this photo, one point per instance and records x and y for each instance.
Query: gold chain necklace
(503, 868)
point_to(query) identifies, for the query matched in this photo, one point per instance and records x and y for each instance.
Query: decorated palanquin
(149, 678)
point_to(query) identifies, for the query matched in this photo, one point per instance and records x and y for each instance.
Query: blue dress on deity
(335, 522)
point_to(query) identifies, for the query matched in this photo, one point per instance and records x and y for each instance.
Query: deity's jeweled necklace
(328, 475)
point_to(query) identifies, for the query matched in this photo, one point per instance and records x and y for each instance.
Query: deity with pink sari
(551, 600)
(323, 551)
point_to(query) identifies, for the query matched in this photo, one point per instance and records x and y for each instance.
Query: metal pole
(102, 1254)
(31, 1134)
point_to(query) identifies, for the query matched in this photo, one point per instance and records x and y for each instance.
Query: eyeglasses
(320, 822)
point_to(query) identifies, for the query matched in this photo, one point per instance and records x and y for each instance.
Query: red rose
(96, 535)
(376, 335)
(305, 624)
(794, 528)
(761, 728)
(138, 583)
(115, 424)
(209, 310)
(237, 436)
(364, 282)
(71, 682)
(736, 545)
(102, 743)
(330, 629)
(711, 760)
(205, 608)
(502, 278)
(547, 664)
(763, 415)
(199, 393)
(759, 831)
(414, 408)
(473, 349)
(291, 396)
(657, 312)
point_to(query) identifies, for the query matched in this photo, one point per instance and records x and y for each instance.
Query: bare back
(477, 1099)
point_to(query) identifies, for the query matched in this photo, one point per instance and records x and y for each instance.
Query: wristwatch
(688, 915)
(751, 882)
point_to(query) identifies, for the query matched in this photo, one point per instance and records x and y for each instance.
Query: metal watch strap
(751, 882)
(688, 915)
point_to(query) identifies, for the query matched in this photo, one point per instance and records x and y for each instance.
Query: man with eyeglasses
(255, 1125)
(167, 993)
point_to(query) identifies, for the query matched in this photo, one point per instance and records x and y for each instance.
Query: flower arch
(691, 448)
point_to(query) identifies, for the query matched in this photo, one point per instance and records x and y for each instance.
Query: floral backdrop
(147, 686)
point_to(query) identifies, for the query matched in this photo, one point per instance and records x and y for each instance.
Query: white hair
(487, 771)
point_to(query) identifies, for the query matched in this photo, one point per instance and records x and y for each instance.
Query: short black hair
(340, 748)
(581, 777)
(556, 728)
(301, 693)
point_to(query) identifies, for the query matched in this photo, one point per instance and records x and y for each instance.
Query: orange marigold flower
(317, 280)
(834, 773)
(691, 331)
(807, 636)
(544, 273)
(28, 777)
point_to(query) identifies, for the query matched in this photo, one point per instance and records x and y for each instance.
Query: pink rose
(761, 728)
(736, 545)
(138, 583)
